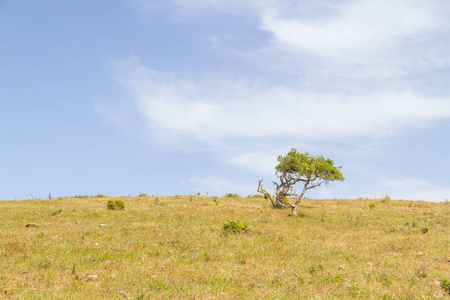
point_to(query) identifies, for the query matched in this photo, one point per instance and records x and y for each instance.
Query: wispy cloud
(221, 109)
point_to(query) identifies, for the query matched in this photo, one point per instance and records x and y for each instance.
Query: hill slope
(173, 247)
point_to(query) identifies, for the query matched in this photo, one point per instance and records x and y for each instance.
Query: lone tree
(311, 171)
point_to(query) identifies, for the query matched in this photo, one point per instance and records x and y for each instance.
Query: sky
(175, 97)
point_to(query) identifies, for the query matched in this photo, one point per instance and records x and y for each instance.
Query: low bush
(372, 205)
(424, 230)
(231, 195)
(115, 205)
(56, 212)
(445, 285)
(232, 226)
(101, 196)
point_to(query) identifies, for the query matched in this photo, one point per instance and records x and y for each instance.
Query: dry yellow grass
(173, 248)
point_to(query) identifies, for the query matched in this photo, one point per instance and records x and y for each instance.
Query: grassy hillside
(174, 248)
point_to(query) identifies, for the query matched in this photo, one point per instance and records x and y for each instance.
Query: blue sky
(185, 96)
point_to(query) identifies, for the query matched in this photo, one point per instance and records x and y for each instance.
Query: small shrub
(372, 205)
(385, 198)
(142, 195)
(424, 230)
(57, 212)
(423, 270)
(266, 196)
(355, 290)
(115, 205)
(216, 201)
(445, 285)
(231, 226)
(231, 195)
(255, 196)
(315, 269)
(101, 196)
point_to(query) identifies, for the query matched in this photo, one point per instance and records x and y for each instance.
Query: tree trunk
(294, 210)
(294, 207)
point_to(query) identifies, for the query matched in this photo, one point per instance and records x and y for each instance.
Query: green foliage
(142, 195)
(238, 226)
(372, 205)
(115, 205)
(216, 201)
(424, 230)
(445, 285)
(266, 196)
(308, 167)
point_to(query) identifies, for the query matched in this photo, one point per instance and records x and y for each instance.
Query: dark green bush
(424, 230)
(232, 226)
(372, 205)
(115, 205)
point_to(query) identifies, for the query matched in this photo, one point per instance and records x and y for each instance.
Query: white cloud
(221, 109)
(365, 27)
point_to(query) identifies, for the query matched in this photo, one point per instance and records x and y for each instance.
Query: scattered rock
(369, 272)
(448, 260)
(370, 263)
(340, 267)
(102, 225)
(420, 253)
(437, 259)
(31, 225)
(91, 278)
(11, 261)
(77, 222)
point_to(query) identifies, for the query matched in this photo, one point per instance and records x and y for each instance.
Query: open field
(174, 248)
